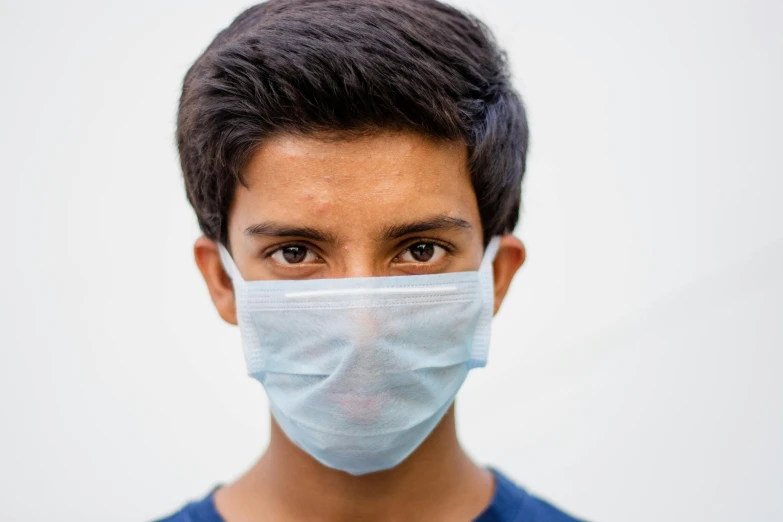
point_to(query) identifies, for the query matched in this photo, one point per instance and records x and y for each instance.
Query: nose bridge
(364, 360)
(365, 325)
(358, 260)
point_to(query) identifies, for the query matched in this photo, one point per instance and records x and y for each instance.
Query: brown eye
(422, 253)
(294, 255)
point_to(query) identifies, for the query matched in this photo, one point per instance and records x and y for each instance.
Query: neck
(438, 481)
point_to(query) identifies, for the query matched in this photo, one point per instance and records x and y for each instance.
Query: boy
(355, 166)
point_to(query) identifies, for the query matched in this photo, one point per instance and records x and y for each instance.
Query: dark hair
(352, 67)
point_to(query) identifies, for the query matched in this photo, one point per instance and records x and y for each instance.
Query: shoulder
(512, 503)
(199, 511)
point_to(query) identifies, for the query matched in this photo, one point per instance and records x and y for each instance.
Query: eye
(294, 255)
(422, 253)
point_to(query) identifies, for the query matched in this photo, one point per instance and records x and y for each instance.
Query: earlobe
(218, 283)
(511, 255)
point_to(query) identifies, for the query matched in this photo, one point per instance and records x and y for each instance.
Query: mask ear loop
(228, 265)
(480, 347)
(253, 358)
(489, 254)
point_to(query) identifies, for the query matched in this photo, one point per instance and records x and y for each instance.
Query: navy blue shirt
(510, 503)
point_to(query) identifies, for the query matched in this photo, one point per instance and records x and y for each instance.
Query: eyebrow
(275, 229)
(439, 222)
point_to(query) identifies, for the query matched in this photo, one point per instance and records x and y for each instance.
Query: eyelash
(269, 253)
(445, 246)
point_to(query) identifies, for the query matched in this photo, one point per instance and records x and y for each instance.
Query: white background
(636, 368)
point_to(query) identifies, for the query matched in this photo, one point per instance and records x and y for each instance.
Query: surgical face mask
(359, 371)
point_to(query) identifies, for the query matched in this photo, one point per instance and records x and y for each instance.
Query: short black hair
(353, 67)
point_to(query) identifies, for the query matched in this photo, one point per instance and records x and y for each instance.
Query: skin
(382, 205)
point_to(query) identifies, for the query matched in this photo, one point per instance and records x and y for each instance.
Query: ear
(511, 254)
(219, 284)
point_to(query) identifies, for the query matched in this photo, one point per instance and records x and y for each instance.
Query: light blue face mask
(359, 371)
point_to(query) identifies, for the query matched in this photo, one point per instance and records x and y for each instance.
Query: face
(390, 204)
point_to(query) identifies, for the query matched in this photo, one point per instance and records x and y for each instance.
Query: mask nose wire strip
(371, 291)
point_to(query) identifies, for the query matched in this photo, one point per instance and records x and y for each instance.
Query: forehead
(358, 183)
